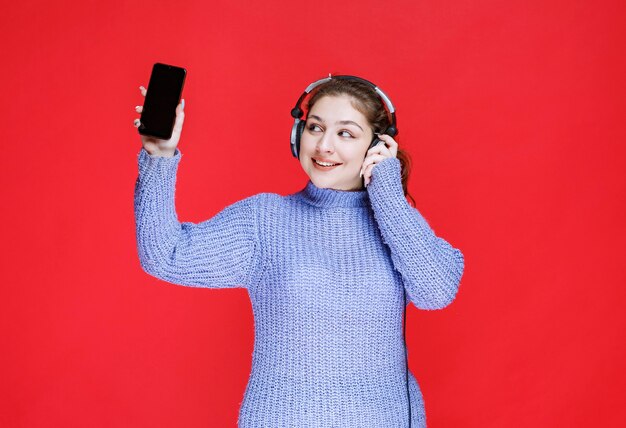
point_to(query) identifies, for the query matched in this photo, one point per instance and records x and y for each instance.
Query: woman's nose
(325, 144)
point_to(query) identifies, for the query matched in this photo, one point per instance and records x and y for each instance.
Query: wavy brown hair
(368, 102)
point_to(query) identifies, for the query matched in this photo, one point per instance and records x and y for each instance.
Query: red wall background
(514, 115)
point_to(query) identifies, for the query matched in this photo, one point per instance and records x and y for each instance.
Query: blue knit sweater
(327, 272)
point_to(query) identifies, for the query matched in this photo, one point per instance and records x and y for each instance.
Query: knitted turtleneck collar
(323, 197)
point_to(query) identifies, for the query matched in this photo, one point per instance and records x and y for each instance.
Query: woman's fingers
(371, 159)
(139, 109)
(180, 118)
(380, 148)
(390, 143)
(367, 176)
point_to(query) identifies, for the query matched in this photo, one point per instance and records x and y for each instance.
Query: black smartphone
(163, 95)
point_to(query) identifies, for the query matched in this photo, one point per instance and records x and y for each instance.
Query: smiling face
(338, 135)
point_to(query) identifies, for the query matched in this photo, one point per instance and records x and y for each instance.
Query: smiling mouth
(325, 164)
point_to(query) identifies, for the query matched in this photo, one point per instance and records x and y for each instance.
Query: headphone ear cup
(299, 131)
(294, 139)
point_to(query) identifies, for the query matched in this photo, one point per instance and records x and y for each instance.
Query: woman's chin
(323, 182)
(326, 183)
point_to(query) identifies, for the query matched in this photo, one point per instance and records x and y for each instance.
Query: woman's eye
(314, 127)
(345, 134)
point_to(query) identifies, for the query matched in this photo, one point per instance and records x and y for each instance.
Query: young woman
(329, 269)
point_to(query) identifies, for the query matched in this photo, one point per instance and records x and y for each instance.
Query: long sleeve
(430, 267)
(223, 251)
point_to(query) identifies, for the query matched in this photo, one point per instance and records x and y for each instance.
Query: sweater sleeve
(431, 268)
(222, 252)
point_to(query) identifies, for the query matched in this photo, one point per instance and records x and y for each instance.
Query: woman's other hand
(155, 146)
(388, 148)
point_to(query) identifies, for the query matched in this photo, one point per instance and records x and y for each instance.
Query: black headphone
(299, 122)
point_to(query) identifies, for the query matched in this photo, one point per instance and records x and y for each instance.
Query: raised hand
(388, 148)
(155, 146)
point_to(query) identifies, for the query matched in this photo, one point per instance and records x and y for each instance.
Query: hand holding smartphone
(162, 114)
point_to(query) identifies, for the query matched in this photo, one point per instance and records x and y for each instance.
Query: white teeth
(324, 163)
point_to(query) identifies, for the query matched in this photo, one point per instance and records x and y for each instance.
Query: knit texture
(327, 272)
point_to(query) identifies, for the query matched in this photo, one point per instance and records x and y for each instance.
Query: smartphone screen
(163, 95)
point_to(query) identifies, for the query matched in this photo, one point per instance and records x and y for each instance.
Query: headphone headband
(297, 112)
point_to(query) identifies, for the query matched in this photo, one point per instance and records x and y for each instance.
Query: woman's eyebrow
(349, 122)
(340, 122)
